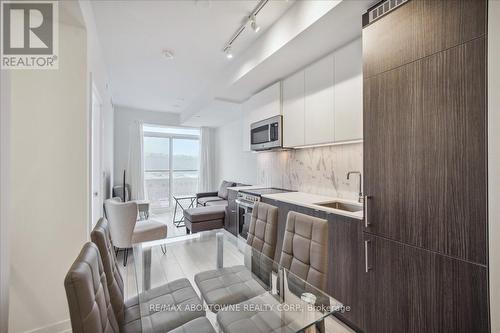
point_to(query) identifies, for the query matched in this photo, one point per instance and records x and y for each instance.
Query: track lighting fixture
(252, 19)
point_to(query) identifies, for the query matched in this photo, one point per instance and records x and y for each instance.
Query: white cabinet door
(319, 104)
(349, 92)
(267, 103)
(293, 110)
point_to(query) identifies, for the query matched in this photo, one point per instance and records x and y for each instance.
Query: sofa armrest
(206, 194)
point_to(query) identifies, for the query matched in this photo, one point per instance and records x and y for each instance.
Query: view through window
(171, 157)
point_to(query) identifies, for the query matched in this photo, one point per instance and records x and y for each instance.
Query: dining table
(287, 300)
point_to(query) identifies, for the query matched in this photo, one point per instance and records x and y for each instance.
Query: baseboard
(62, 326)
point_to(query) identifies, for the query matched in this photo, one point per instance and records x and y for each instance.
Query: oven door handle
(244, 203)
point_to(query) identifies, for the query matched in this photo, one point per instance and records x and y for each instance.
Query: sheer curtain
(135, 168)
(207, 160)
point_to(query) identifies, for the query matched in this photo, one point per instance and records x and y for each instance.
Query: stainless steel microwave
(267, 134)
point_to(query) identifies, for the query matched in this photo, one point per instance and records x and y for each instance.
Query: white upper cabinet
(323, 103)
(348, 98)
(319, 102)
(293, 110)
(265, 104)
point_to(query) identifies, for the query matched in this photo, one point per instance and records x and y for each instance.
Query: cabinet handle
(367, 266)
(365, 213)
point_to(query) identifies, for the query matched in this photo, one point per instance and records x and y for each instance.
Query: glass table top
(286, 300)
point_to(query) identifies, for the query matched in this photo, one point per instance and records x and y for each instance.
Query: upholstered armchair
(126, 230)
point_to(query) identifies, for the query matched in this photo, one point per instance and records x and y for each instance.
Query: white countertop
(309, 200)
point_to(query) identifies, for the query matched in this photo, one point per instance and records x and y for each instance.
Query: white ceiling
(134, 33)
(215, 114)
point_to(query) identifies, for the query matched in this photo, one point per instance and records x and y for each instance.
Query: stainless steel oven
(267, 134)
(245, 204)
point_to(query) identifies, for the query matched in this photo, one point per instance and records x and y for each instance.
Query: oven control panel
(248, 197)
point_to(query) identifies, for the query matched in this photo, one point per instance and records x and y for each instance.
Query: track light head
(229, 54)
(253, 24)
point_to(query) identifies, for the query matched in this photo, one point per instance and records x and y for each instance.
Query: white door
(96, 151)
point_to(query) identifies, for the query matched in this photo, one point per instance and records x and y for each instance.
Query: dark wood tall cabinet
(413, 290)
(424, 66)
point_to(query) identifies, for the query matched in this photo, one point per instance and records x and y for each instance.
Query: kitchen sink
(341, 206)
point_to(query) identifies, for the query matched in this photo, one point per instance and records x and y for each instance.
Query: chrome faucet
(360, 194)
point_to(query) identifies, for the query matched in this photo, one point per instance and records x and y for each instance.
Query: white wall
(98, 74)
(494, 160)
(49, 176)
(231, 162)
(123, 118)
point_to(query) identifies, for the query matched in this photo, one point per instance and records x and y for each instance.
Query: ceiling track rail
(242, 28)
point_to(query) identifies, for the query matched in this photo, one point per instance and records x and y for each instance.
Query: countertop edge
(315, 207)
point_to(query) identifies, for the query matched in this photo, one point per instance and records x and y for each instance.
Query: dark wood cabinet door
(425, 152)
(231, 221)
(418, 29)
(413, 290)
(345, 266)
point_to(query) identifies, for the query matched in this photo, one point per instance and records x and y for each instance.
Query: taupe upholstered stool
(232, 285)
(204, 218)
(304, 254)
(94, 288)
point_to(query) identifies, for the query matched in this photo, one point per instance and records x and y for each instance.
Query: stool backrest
(101, 237)
(86, 287)
(305, 248)
(262, 236)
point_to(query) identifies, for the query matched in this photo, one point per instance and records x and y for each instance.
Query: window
(171, 157)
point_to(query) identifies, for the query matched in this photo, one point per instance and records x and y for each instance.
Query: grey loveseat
(216, 198)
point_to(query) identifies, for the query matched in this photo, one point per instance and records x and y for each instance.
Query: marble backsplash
(319, 170)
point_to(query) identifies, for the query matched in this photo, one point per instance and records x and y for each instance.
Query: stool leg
(125, 258)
